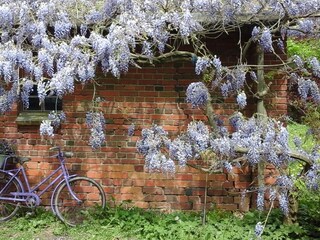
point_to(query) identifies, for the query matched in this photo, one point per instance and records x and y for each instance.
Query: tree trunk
(261, 109)
(292, 217)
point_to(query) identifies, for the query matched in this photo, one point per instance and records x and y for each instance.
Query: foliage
(308, 199)
(133, 223)
(312, 120)
(309, 205)
(297, 130)
(305, 48)
(7, 147)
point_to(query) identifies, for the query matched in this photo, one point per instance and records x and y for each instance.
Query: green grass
(135, 224)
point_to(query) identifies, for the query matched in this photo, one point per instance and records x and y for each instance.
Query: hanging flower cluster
(96, 122)
(47, 127)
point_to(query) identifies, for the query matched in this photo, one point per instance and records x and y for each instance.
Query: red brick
(132, 190)
(229, 207)
(153, 190)
(118, 165)
(155, 198)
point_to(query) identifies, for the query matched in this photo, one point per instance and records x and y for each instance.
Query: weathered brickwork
(151, 95)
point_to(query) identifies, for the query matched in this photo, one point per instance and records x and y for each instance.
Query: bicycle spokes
(72, 211)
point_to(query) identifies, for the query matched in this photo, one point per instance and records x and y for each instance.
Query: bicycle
(72, 197)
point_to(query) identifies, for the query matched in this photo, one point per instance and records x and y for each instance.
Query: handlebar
(64, 154)
(54, 148)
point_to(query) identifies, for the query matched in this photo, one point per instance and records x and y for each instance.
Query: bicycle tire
(68, 210)
(8, 209)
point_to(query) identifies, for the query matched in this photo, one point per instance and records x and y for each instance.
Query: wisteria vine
(57, 44)
(251, 141)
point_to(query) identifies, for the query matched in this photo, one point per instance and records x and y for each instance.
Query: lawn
(120, 223)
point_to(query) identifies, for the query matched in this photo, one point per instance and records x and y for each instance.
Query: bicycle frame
(25, 194)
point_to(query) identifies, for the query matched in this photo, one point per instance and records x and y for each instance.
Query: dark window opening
(50, 103)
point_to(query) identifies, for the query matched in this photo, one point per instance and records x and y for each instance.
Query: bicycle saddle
(22, 160)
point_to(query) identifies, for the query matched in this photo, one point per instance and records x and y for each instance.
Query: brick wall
(152, 95)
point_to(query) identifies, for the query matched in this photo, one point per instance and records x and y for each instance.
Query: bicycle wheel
(72, 212)
(8, 208)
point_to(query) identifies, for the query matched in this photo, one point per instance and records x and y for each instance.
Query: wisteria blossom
(127, 25)
(96, 122)
(242, 100)
(197, 94)
(46, 129)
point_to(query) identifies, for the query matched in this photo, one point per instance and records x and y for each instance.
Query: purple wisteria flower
(216, 62)
(315, 66)
(181, 149)
(152, 140)
(188, 24)
(272, 194)
(147, 49)
(94, 17)
(298, 61)
(266, 40)
(96, 122)
(131, 130)
(308, 88)
(306, 25)
(25, 93)
(8, 98)
(62, 26)
(255, 33)
(253, 75)
(198, 133)
(280, 45)
(226, 88)
(56, 118)
(284, 182)
(313, 177)
(63, 81)
(253, 155)
(228, 166)
(110, 7)
(258, 230)
(284, 202)
(242, 100)
(46, 129)
(260, 199)
(197, 94)
(86, 72)
(202, 64)
(222, 147)
(235, 120)
(6, 17)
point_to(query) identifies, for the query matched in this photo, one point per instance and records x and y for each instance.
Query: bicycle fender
(55, 189)
(18, 180)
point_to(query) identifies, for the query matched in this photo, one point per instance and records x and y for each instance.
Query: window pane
(52, 103)
(34, 104)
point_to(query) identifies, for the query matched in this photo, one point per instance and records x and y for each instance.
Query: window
(51, 102)
(36, 111)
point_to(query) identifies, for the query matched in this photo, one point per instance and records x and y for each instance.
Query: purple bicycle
(72, 199)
